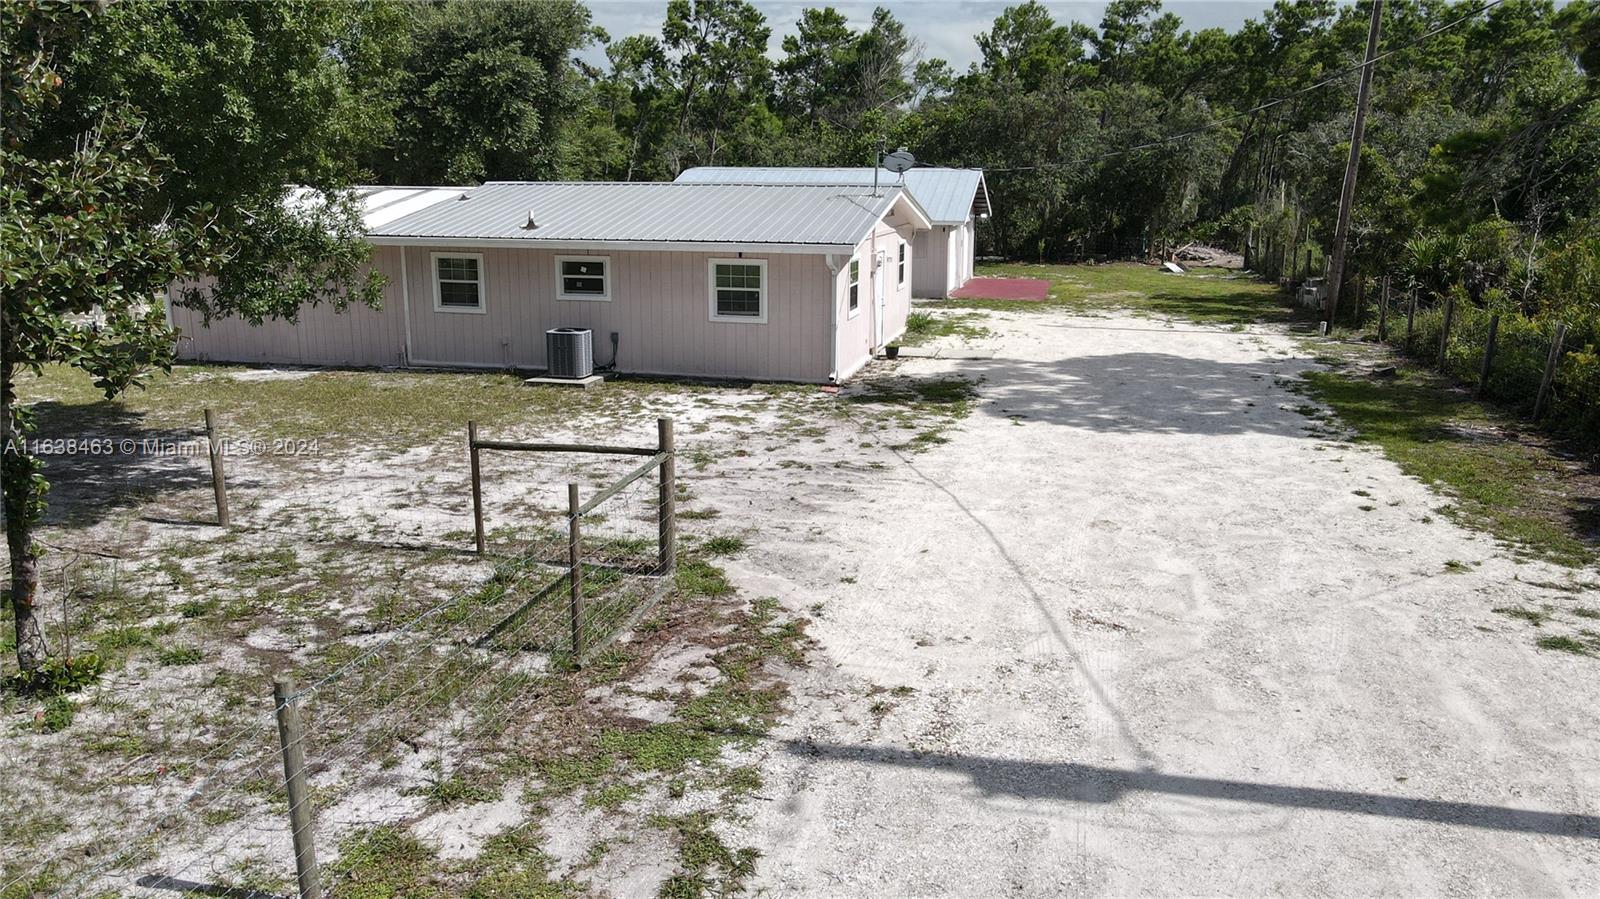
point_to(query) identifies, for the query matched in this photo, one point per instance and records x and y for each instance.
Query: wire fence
(1539, 366)
(370, 741)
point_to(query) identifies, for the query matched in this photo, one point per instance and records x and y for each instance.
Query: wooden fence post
(219, 484)
(1444, 333)
(292, 737)
(667, 507)
(1411, 318)
(1488, 355)
(1383, 311)
(477, 485)
(575, 573)
(1549, 370)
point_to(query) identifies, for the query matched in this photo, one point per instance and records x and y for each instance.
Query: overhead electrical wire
(1324, 82)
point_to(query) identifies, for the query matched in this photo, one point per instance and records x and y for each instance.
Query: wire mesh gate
(613, 571)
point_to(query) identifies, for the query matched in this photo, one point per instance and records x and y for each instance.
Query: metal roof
(950, 196)
(379, 205)
(833, 215)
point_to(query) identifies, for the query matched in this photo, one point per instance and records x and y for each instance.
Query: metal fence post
(219, 484)
(1444, 332)
(575, 573)
(1411, 318)
(1549, 370)
(477, 485)
(667, 507)
(1488, 355)
(1383, 311)
(292, 737)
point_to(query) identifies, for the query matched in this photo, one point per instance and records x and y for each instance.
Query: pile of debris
(1199, 255)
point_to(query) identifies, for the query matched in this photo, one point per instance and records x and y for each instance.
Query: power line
(1276, 101)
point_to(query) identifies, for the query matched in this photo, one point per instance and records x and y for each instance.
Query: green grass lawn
(1520, 491)
(1211, 295)
(338, 406)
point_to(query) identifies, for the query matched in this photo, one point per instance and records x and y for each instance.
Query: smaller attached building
(955, 199)
(799, 282)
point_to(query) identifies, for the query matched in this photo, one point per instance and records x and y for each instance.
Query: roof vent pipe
(531, 223)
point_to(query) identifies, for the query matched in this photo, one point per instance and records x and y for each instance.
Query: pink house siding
(660, 305)
(857, 336)
(360, 336)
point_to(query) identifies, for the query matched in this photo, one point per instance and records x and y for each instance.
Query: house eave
(687, 246)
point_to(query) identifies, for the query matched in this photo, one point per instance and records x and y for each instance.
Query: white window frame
(852, 288)
(901, 263)
(711, 284)
(483, 284)
(603, 297)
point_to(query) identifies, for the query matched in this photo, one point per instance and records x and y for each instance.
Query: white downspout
(832, 261)
(405, 301)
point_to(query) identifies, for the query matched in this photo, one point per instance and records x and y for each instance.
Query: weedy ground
(352, 530)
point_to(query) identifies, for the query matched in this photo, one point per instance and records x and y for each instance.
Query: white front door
(880, 303)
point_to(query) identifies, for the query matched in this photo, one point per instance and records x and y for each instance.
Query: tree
(716, 53)
(136, 152)
(487, 91)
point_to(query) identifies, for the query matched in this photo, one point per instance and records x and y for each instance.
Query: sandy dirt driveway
(1134, 631)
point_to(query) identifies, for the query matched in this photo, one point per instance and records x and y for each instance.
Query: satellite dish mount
(898, 162)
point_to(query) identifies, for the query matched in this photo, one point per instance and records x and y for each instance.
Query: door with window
(880, 301)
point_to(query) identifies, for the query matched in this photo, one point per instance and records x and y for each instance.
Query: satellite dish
(899, 161)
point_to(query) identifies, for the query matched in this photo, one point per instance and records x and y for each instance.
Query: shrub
(58, 676)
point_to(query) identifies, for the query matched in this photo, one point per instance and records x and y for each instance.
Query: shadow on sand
(1073, 782)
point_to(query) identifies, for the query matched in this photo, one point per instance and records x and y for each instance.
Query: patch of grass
(57, 715)
(724, 546)
(922, 327)
(179, 655)
(512, 866)
(695, 577)
(1217, 296)
(1511, 489)
(197, 608)
(708, 865)
(662, 747)
(1532, 616)
(611, 796)
(563, 774)
(1567, 644)
(383, 863)
(456, 790)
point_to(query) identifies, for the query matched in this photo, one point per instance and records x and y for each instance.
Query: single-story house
(801, 282)
(954, 198)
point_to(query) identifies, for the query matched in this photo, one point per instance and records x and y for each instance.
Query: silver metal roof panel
(649, 212)
(950, 196)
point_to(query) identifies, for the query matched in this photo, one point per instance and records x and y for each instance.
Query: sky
(945, 27)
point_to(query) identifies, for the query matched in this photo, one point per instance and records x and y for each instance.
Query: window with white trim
(458, 282)
(855, 285)
(902, 265)
(738, 290)
(583, 277)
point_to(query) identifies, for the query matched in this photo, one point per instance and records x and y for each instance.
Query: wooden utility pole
(1347, 196)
